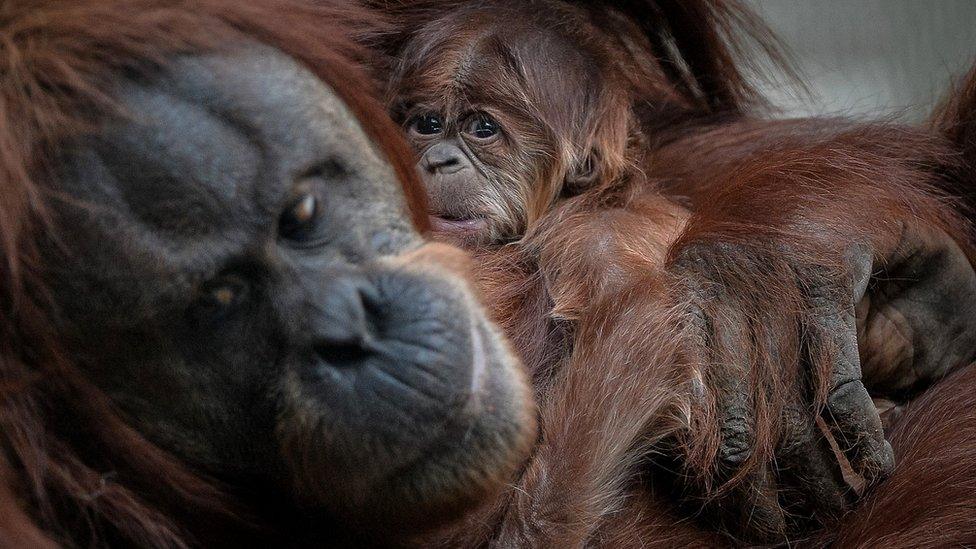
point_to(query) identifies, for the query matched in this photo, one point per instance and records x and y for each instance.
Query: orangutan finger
(730, 360)
(754, 499)
(808, 465)
(849, 410)
(756, 503)
(724, 351)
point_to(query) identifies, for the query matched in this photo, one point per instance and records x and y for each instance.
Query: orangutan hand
(786, 433)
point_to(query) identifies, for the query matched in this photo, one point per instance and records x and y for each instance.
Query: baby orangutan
(720, 335)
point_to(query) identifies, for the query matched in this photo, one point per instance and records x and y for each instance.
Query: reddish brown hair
(59, 61)
(580, 296)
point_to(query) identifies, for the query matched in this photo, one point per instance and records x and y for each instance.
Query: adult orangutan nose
(344, 330)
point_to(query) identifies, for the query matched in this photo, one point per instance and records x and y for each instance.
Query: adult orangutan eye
(220, 296)
(427, 124)
(226, 293)
(482, 126)
(298, 219)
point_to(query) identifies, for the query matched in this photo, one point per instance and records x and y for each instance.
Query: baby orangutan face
(475, 196)
(506, 115)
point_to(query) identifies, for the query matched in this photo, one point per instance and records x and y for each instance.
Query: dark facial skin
(469, 195)
(239, 274)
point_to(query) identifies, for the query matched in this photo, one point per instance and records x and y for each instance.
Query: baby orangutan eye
(427, 124)
(483, 127)
(298, 218)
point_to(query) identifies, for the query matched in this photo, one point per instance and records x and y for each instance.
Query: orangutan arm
(761, 285)
(803, 270)
(727, 336)
(607, 403)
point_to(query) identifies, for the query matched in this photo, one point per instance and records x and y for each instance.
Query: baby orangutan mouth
(452, 225)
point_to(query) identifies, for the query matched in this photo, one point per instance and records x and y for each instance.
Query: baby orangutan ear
(583, 175)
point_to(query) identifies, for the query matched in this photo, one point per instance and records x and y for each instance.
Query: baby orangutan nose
(453, 185)
(445, 158)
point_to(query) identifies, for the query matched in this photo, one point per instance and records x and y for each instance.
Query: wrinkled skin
(448, 172)
(876, 300)
(893, 305)
(239, 274)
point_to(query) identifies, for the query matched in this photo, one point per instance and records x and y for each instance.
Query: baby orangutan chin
(721, 336)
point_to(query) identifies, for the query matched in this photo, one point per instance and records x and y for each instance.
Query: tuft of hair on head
(955, 119)
(713, 51)
(681, 62)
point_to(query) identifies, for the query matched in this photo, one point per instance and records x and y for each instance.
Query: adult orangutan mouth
(459, 226)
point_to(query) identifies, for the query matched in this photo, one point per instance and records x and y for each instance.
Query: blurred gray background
(872, 57)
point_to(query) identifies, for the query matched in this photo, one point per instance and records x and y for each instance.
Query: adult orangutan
(680, 276)
(219, 325)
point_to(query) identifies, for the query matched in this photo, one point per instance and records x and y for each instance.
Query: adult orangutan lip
(445, 225)
(479, 363)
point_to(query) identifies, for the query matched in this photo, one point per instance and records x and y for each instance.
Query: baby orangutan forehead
(516, 59)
